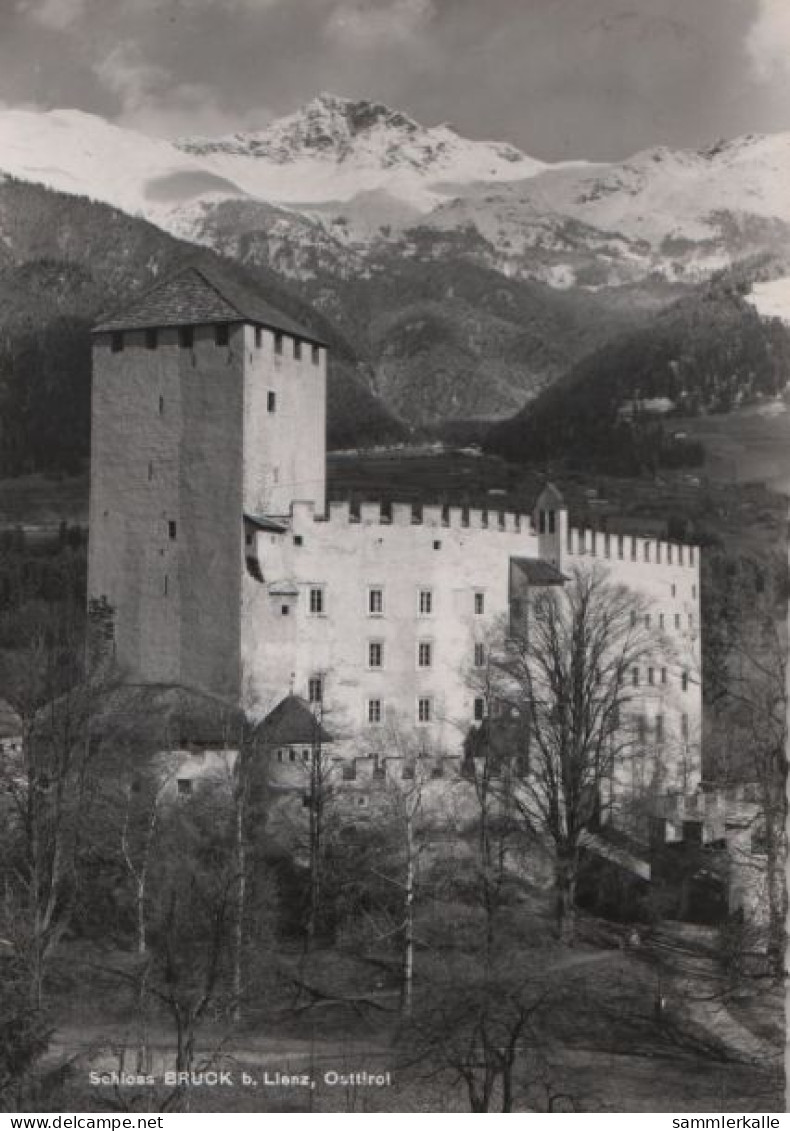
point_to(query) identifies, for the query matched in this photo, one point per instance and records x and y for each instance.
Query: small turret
(551, 523)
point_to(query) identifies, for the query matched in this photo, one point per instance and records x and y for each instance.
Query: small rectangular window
(661, 621)
(669, 555)
(480, 655)
(151, 339)
(552, 522)
(171, 531)
(620, 546)
(480, 603)
(316, 600)
(437, 545)
(633, 549)
(258, 337)
(684, 681)
(297, 350)
(278, 343)
(375, 654)
(184, 787)
(374, 711)
(116, 342)
(424, 709)
(647, 551)
(659, 730)
(650, 676)
(221, 334)
(161, 406)
(186, 337)
(426, 602)
(663, 675)
(677, 620)
(271, 401)
(635, 677)
(315, 689)
(375, 602)
(284, 610)
(480, 708)
(424, 654)
(298, 540)
(316, 354)
(607, 545)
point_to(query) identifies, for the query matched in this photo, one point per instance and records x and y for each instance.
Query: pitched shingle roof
(550, 496)
(197, 295)
(538, 572)
(292, 723)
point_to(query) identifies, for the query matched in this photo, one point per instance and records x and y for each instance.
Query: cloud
(768, 42)
(153, 102)
(55, 14)
(366, 26)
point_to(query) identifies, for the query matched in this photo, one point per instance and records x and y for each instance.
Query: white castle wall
(347, 558)
(667, 576)
(455, 554)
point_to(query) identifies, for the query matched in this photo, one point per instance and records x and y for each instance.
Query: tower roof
(292, 723)
(198, 294)
(550, 497)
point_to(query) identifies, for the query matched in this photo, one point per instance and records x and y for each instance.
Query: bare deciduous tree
(567, 667)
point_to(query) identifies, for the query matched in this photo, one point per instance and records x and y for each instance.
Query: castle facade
(211, 538)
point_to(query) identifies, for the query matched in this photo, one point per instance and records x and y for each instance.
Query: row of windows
(186, 340)
(641, 728)
(661, 620)
(425, 656)
(425, 601)
(582, 546)
(656, 676)
(424, 710)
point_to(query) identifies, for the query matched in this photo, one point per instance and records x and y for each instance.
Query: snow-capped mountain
(340, 184)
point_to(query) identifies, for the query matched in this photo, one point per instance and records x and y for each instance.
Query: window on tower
(316, 601)
(116, 342)
(186, 337)
(315, 689)
(375, 654)
(297, 350)
(480, 603)
(425, 654)
(221, 334)
(480, 708)
(316, 355)
(271, 401)
(171, 530)
(258, 337)
(278, 343)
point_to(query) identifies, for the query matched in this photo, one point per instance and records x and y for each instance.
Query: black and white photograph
(394, 475)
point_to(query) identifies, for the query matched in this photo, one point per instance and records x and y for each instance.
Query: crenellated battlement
(587, 543)
(342, 513)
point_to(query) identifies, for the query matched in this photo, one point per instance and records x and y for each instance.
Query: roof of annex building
(198, 294)
(293, 723)
(538, 572)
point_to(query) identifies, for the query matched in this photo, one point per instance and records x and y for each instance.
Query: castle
(211, 539)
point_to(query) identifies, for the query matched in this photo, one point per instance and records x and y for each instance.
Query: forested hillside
(64, 261)
(707, 353)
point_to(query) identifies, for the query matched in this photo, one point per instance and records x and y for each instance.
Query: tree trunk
(408, 956)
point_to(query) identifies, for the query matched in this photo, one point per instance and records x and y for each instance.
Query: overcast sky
(559, 78)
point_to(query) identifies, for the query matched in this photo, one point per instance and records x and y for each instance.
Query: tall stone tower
(208, 406)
